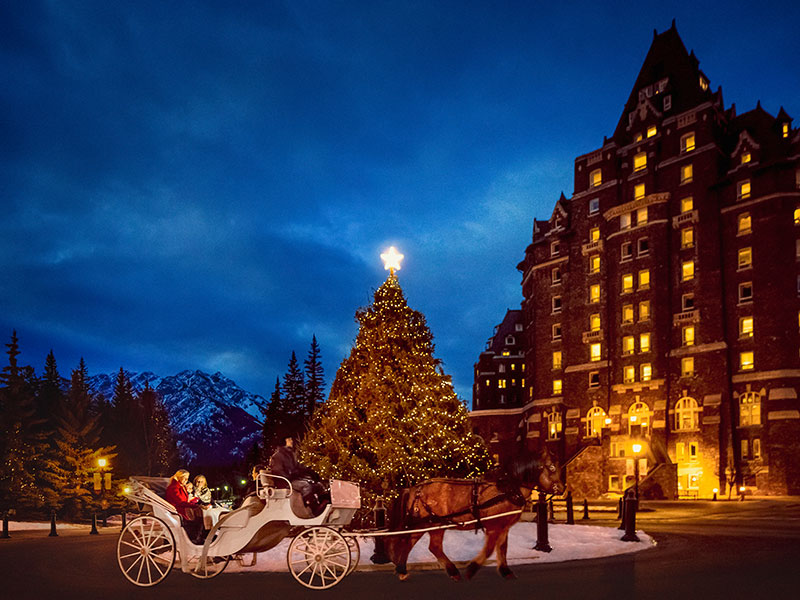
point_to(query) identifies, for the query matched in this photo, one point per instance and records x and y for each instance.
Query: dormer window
(640, 161)
(785, 130)
(703, 83)
(596, 178)
(743, 190)
(687, 142)
(745, 158)
(651, 131)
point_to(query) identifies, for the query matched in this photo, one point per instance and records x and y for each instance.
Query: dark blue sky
(206, 185)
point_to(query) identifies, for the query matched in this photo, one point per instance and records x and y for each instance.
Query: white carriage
(319, 556)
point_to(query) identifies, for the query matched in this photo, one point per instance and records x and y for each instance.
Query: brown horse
(469, 504)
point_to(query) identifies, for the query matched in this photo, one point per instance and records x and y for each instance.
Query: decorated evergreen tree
(315, 382)
(392, 418)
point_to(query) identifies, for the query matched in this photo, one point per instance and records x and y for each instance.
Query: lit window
(628, 374)
(557, 359)
(687, 366)
(651, 131)
(557, 331)
(594, 206)
(637, 138)
(686, 174)
(746, 158)
(646, 372)
(687, 335)
(641, 216)
(743, 190)
(638, 191)
(686, 414)
(595, 350)
(594, 263)
(594, 322)
(488, 382)
(556, 387)
(687, 237)
(797, 214)
(594, 379)
(644, 246)
(687, 204)
(703, 83)
(746, 292)
(595, 418)
(627, 283)
(553, 423)
(594, 293)
(644, 279)
(687, 302)
(644, 310)
(596, 178)
(745, 258)
(749, 409)
(687, 270)
(556, 301)
(744, 223)
(625, 220)
(756, 448)
(746, 327)
(687, 142)
(627, 313)
(555, 275)
(639, 414)
(693, 454)
(680, 451)
(555, 248)
(785, 130)
(746, 360)
(640, 161)
(594, 234)
(627, 344)
(644, 342)
(626, 250)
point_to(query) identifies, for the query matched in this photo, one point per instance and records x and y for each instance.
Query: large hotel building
(659, 332)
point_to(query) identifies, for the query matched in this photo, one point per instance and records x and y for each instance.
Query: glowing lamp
(102, 462)
(633, 418)
(126, 490)
(391, 259)
(741, 489)
(637, 448)
(715, 490)
(608, 420)
(244, 482)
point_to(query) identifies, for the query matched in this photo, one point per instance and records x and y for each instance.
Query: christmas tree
(392, 418)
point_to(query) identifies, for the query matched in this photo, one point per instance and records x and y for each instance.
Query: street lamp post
(637, 448)
(102, 485)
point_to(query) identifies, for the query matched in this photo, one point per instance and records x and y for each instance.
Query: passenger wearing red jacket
(178, 496)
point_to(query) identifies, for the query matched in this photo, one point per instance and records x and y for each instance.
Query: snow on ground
(35, 525)
(569, 542)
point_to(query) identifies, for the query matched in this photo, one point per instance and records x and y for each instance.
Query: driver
(304, 481)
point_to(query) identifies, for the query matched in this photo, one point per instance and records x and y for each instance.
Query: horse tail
(397, 511)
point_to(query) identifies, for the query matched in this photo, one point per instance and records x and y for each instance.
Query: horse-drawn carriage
(319, 556)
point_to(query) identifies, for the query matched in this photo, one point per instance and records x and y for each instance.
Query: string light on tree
(391, 260)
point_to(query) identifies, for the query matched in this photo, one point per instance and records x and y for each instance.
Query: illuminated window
(640, 161)
(746, 360)
(687, 302)
(555, 248)
(595, 420)
(638, 191)
(628, 374)
(687, 270)
(644, 279)
(651, 131)
(746, 158)
(555, 276)
(627, 313)
(595, 351)
(594, 293)
(687, 335)
(637, 138)
(639, 414)
(744, 223)
(627, 283)
(644, 246)
(594, 263)
(644, 342)
(557, 331)
(556, 387)
(556, 302)
(785, 130)
(743, 190)
(627, 251)
(594, 234)
(687, 237)
(687, 204)
(644, 310)
(687, 142)
(627, 344)
(646, 372)
(797, 214)
(746, 327)
(501, 383)
(596, 178)
(594, 379)
(553, 418)
(686, 414)
(687, 366)
(749, 409)
(687, 173)
(557, 359)
(594, 322)
(594, 206)
(756, 448)
(745, 258)
(746, 292)
(488, 382)
(625, 220)
(641, 215)
(703, 83)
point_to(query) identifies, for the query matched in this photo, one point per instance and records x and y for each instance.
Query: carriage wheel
(319, 558)
(213, 567)
(355, 552)
(146, 551)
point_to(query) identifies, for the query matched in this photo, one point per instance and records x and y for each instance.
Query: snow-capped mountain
(215, 421)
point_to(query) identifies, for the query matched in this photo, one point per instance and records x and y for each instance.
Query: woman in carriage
(188, 508)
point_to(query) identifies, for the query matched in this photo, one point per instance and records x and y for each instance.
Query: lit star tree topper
(391, 260)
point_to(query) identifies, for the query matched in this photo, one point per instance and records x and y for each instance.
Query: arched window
(554, 423)
(686, 414)
(595, 419)
(639, 415)
(749, 409)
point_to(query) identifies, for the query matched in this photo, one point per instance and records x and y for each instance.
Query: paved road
(705, 550)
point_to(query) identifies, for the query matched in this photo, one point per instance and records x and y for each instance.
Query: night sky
(206, 185)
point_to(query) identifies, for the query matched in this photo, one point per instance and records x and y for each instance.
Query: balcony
(590, 247)
(684, 219)
(592, 336)
(687, 316)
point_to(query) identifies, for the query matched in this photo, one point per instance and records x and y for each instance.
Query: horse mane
(523, 467)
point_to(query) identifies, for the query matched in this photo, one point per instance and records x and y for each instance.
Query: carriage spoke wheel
(214, 566)
(146, 551)
(355, 552)
(319, 558)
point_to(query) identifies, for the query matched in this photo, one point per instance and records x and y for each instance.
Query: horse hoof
(402, 576)
(506, 573)
(472, 568)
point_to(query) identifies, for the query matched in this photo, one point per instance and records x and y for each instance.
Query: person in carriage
(188, 508)
(305, 481)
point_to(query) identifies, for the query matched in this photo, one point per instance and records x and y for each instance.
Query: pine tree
(392, 418)
(294, 399)
(315, 378)
(126, 423)
(159, 439)
(273, 426)
(50, 392)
